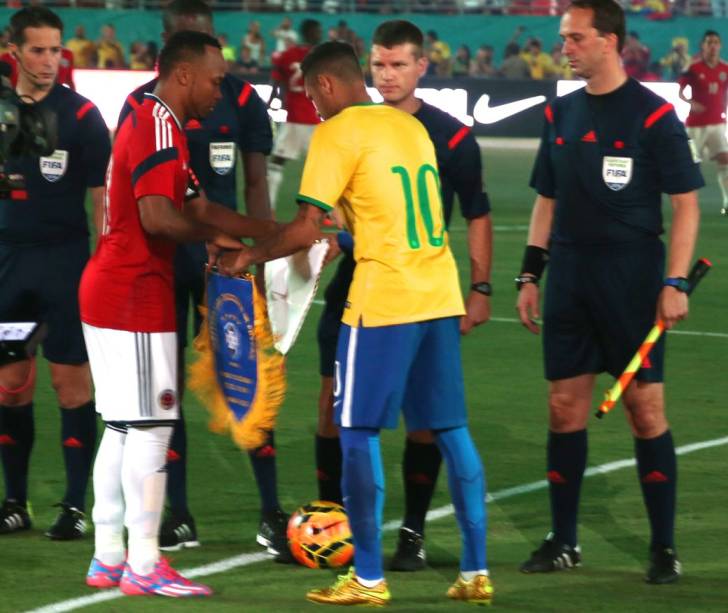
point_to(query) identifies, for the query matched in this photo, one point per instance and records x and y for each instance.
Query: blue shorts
(334, 301)
(40, 283)
(414, 367)
(599, 305)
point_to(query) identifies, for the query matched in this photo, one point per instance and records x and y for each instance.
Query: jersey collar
(164, 104)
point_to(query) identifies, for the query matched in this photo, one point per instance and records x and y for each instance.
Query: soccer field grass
(506, 398)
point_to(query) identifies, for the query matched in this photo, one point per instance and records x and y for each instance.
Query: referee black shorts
(600, 302)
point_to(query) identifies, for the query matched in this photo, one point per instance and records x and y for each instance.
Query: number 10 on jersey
(424, 206)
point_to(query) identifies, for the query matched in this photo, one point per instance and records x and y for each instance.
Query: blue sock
(363, 487)
(263, 460)
(177, 469)
(78, 438)
(566, 461)
(17, 433)
(657, 469)
(467, 489)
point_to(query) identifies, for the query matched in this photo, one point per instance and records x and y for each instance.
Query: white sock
(275, 178)
(108, 511)
(370, 582)
(723, 182)
(469, 575)
(144, 478)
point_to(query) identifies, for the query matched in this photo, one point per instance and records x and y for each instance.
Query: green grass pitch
(506, 397)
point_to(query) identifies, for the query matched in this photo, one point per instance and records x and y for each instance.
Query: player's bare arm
(257, 203)
(539, 231)
(203, 211)
(300, 233)
(672, 305)
(480, 250)
(159, 218)
(695, 106)
(97, 200)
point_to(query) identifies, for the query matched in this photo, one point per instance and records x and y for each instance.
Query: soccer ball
(319, 535)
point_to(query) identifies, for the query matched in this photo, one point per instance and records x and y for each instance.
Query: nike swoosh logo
(486, 114)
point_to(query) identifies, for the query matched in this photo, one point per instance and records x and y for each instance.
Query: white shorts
(710, 140)
(292, 140)
(134, 373)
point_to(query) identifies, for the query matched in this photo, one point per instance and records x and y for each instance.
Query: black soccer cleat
(272, 534)
(178, 533)
(410, 555)
(664, 566)
(552, 556)
(69, 525)
(14, 517)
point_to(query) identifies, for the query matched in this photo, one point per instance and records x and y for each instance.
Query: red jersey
(128, 284)
(710, 88)
(65, 68)
(287, 71)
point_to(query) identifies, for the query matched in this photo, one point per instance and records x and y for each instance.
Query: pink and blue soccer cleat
(102, 576)
(163, 581)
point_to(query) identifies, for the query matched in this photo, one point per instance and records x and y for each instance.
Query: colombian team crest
(54, 166)
(617, 172)
(222, 157)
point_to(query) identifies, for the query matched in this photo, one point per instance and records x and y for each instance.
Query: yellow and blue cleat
(479, 590)
(347, 591)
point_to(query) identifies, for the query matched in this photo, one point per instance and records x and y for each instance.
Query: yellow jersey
(378, 165)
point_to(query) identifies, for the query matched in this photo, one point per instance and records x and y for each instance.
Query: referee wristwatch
(482, 287)
(522, 280)
(681, 284)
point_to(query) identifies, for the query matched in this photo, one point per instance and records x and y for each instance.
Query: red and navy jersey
(129, 282)
(51, 207)
(607, 159)
(710, 88)
(286, 70)
(238, 121)
(458, 159)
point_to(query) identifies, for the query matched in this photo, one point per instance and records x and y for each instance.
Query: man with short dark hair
(44, 246)
(607, 153)
(399, 344)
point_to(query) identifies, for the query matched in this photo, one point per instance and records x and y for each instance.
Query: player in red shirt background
(706, 122)
(293, 136)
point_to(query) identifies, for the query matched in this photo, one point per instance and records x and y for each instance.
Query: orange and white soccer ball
(319, 535)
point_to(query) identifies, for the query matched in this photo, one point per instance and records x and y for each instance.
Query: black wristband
(482, 287)
(534, 261)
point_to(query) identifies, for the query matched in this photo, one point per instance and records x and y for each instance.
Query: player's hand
(672, 306)
(234, 263)
(696, 106)
(218, 244)
(477, 311)
(527, 307)
(334, 250)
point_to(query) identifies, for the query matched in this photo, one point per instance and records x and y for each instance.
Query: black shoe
(272, 534)
(69, 525)
(552, 556)
(178, 533)
(14, 517)
(410, 554)
(664, 566)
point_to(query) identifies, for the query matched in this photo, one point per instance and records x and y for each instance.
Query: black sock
(566, 461)
(177, 469)
(78, 439)
(17, 432)
(657, 470)
(420, 467)
(328, 468)
(263, 460)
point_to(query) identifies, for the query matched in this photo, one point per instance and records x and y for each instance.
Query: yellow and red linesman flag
(698, 271)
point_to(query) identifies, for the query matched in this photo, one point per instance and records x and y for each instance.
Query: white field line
(247, 559)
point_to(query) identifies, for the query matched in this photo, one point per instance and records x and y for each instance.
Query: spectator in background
(439, 54)
(4, 40)
(344, 33)
(228, 51)
(562, 68)
(253, 39)
(481, 66)
(677, 60)
(461, 62)
(139, 58)
(285, 35)
(653, 72)
(362, 53)
(110, 53)
(539, 62)
(635, 56)
(246, 65)
(514, 66)
(83, 49)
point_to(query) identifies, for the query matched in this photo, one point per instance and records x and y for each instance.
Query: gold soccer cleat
(347, 591)
(479, 590)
